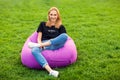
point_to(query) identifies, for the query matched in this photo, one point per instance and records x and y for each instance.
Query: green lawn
(94, 25)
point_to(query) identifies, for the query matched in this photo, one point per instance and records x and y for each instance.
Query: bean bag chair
(56, 58)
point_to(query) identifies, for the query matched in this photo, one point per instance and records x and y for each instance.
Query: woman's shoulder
(62, 26)
(42, 22)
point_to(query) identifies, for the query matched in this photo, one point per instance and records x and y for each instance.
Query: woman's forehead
(53, 11)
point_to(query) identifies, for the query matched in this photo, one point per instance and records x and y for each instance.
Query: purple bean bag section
(57, 58)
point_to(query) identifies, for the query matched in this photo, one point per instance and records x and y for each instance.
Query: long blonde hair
(58, 21)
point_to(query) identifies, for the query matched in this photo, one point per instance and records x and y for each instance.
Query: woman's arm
(62, 29)
(39, 38)
(40, 42)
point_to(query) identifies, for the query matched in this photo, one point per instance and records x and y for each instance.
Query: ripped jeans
(55, 44)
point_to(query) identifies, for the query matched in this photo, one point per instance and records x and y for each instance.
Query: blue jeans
(56, 43)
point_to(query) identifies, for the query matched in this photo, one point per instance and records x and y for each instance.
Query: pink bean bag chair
(56, 58)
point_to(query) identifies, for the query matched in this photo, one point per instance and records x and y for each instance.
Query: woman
(51, 36)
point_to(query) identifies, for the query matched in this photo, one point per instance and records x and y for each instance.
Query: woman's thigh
(53, 47)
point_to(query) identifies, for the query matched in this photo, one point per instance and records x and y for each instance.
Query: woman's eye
(53, 14)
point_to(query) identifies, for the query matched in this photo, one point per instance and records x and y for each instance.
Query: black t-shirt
(50, 32)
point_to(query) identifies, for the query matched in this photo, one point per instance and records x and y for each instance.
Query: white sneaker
(54, 73)
(32, 45)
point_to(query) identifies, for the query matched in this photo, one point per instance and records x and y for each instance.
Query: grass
(94, 25)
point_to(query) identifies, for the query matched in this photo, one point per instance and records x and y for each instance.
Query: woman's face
(53, 16)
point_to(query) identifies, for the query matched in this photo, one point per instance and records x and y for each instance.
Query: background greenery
(94, 25)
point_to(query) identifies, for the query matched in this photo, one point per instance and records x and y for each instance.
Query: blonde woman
(51, 36)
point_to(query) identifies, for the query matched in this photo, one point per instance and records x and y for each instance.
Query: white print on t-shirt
(51, 31)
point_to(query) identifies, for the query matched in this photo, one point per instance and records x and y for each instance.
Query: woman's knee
(35, 50)
(64, 36)
(61, 39)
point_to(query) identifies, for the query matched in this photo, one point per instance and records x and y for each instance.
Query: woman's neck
(52, 23)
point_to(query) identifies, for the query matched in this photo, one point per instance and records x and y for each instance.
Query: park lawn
(94, 26)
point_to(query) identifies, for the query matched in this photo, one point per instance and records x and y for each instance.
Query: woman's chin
(53, 20)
